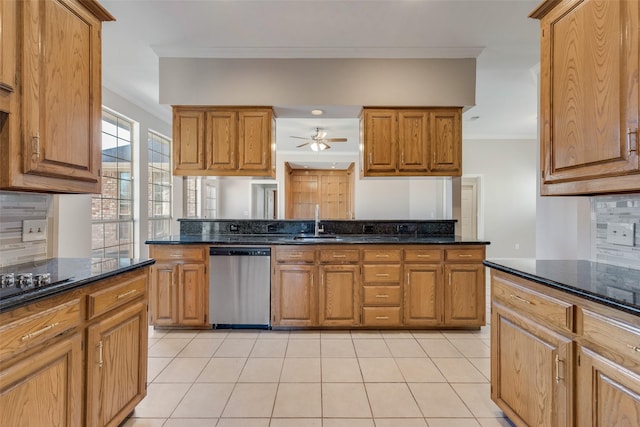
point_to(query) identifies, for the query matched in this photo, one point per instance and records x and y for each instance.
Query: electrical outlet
(34, 229)
(621, 233)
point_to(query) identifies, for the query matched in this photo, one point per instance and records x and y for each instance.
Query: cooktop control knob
(42, 279)
(24, 280)
(7, 280)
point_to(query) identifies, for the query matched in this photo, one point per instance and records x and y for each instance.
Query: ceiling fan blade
(335, 140)
(302, 145)
(298, 137)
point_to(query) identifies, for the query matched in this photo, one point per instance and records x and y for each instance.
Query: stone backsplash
(14, 208)
(616, 209)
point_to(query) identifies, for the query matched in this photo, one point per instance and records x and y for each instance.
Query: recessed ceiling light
(317, 112)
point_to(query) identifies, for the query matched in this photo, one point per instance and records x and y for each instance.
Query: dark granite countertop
(78, 272)
(288, 239)
(617, 287)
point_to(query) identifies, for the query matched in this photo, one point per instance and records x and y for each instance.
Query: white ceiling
(498, 33)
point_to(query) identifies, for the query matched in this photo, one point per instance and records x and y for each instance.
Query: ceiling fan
(318, 142)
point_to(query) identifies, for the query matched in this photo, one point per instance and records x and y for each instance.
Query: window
(112, 211)
(192, 196)
(159, 188)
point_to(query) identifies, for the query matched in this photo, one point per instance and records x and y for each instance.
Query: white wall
(508, 170)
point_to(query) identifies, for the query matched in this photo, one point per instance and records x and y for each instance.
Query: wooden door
(221, 141)
(163, 301)
(192, 296)
(295, 295)
(335, 200)
(116, 365)
(531, 374)
(304, 195)
(188, 141)
(589, 92)
(464, 299)
(339, 296)
(423, 295)
(44, 388)
(61, 99)
(413, 141)
(8, 44)
(254, 144)
(380, 141)
(607, 393)
(446, 141)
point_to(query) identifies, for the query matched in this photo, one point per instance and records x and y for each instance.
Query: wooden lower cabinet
(44, 388)
(116, 365)
(423, 295)
(339, 295)
(531, 376)
(295, 296)
(464, 295)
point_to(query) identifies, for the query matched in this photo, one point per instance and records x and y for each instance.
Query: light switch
(34, 229)
(621, 233)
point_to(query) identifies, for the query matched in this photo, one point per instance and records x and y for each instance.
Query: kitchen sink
(321, 237)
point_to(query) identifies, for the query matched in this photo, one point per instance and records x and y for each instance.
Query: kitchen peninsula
(73, 349)
(352, 274)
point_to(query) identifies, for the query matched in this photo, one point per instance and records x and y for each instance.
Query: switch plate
(621, 233)
(34, 229)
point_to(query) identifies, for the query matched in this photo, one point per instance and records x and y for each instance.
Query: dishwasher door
(240, 287)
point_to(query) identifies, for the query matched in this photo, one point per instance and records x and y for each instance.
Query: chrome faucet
(318, 228)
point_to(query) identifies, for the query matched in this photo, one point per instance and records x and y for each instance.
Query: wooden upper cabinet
(234, 141)
(589, 96)
(411, 142)
(8, 45)
(58, 145)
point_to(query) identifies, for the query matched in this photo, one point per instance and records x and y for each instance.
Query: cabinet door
(589, 94)
(446, 141)
(192, 298)
(339, 296)
(254, 143)
(188, 141)
(295, 296)
(44, 388)
(531, 374)
(413, 141)
(607, 393)
(61, 104)
(335, 196)
(423, 295)
(8, 43)
(163, 298)
(116, 365)
(380, 141)
(221, 140)
(464, 295)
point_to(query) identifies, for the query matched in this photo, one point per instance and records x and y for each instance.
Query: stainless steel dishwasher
(240, 287)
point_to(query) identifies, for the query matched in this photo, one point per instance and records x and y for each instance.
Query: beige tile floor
(318, 378)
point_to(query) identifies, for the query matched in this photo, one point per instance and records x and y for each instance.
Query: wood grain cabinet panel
(339, 295)
(445, 141)
(8, 48)
(295, 295)
(222, 130)
(423, 295)
(589, 96)
(188, 128)
(464, 295)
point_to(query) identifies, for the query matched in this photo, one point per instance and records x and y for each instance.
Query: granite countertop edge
(578, 289)
(34, 295)
(343, 239)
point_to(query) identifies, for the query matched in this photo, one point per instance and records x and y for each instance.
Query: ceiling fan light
(317, 112)
(315, 146)
(322, 146)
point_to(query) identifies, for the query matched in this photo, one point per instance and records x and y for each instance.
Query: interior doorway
(471, 218)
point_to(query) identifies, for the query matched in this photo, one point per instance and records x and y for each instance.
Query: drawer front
(339, 255)
(422, 255)
(618, 337)
(547, 309)
(381, 316)
(381, 295)
(100, 302)
(178, 252)
(464, 254)
(32, 330)
(296, 255)
(374, 273)
(381, 255)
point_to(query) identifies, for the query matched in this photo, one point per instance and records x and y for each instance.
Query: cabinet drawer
(295, 255)
(548, 310)
(175, 252)
(374, 273)
(464, 254)
(381, 255)
(35, 329)
(381, 316)
(615, 336)
(422, 255)
(339, 255)
(381, 295)
(101, 301)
